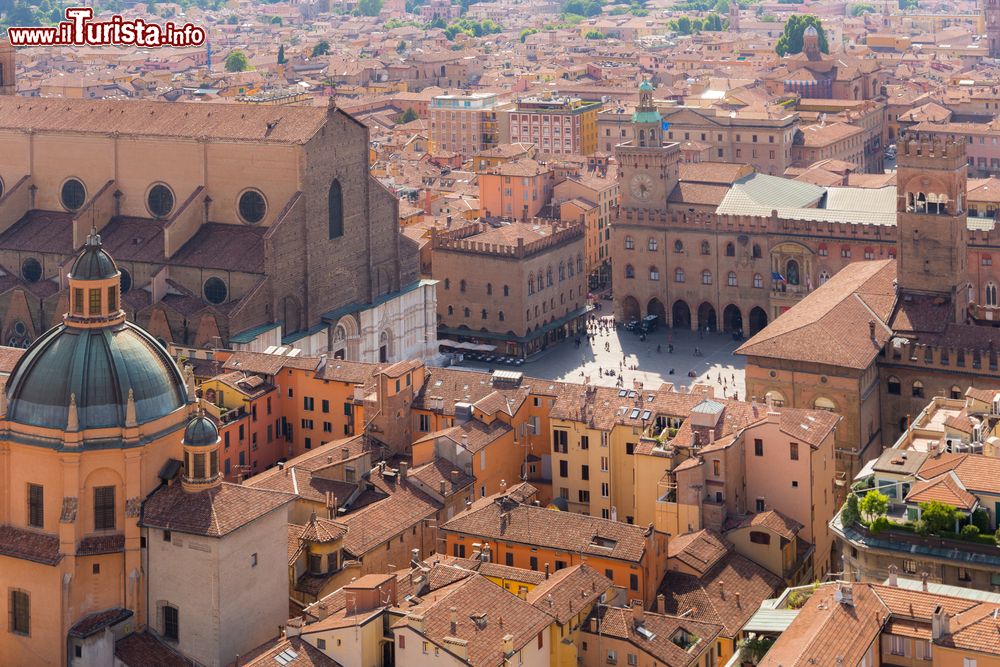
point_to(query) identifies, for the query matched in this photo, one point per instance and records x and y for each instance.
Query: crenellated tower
(931, 221)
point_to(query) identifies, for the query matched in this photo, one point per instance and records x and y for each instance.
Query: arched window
(531, 283)
(629, 243)
(824, 403)
(548, 276)
(579, 263)
(500, 315)
(823, 276)
(540, 281)
(706, 248)
(468, 313)
(651, 244)
(893, 386)
(451, 310)
(336, 213)
(489, 288)
(918, 389)
(731, 279)
(991, 293)
(678, 246)
(758, 280)
(629, 271)
(756, 251)
(678, 275)
(706, 277)
(777, 398)
(506, 290)
(461, 285)
(569, 265)
(654, 273)
(447, 283)
(484, 314)
(730, 250)
(562, 272)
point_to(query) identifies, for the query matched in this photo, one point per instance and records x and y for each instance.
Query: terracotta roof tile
(212, 512)
(619, 623)
(28, 545)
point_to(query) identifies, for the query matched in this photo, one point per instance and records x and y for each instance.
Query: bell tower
(931, 222)
(991, 21)
(8, 82)
(647, 168)
(734, 16)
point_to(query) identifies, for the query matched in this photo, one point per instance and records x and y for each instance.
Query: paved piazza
(718, 366)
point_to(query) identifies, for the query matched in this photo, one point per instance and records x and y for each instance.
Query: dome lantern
(94, 287)
(201, 454)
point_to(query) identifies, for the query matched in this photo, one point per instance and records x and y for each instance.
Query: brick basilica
(233, 225)
(886, 296)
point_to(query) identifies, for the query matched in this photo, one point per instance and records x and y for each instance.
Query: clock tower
(647, 169)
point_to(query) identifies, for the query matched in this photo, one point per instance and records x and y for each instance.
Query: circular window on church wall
(73, 194)
(126, 280)
(215, 291)
(31, 270)
(253, 208)
(160, 201)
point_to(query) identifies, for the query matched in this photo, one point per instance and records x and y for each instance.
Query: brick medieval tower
(8, 81)
(931, 222)
(991, 19)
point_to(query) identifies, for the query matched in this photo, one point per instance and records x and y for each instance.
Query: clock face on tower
(641, 186)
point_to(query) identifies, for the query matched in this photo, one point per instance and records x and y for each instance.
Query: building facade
(556, 125)
(465, 124)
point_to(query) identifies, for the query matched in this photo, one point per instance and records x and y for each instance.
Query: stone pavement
(718, 366)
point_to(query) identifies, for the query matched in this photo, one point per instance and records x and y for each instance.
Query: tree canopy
(321, 49)
(790, 41)
(237, 61)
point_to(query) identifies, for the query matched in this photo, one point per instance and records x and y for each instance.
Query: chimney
(508, 644)
(893, 581)
(415, 555)
(871, 329)
(404, 467)
(923, 581)
(661, 603)
(638, 613)
(546, 570)
(940, 623)
(329, 459)
(415, 621)
(454, 621)
(738, 604)
(281, 465)
(722, 590)
(345, 453)
(465, 440)
(442, 487)
(454, 477)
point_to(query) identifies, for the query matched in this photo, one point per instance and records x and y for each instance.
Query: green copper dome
(646, 86)
(93, 263)
(98, 367)
(201, 432)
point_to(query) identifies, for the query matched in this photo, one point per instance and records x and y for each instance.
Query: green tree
(938, 516)
(790, 41)
(582, 7)
(908, 4)
(862, 8)
(408, 116)
(683, 25)
(281, 55)
(722, 6)
(851, 512)
(370, 7)
(593, 34)
(873, 505)
(321, 49)
(526, 32)
(276, 20)
(236, 61)
(713, 23)
(232, 20)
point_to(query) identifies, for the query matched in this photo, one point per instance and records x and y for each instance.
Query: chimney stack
(442, 487)
(722, 590)
(404, 467)
(345, 453)
(940, 623)
(923, 581)
(454, 621)
(893, 581)
(546, 570)
(738, 603)
(508, 644)
(638, 613)
(454, 477)
(661, 603)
